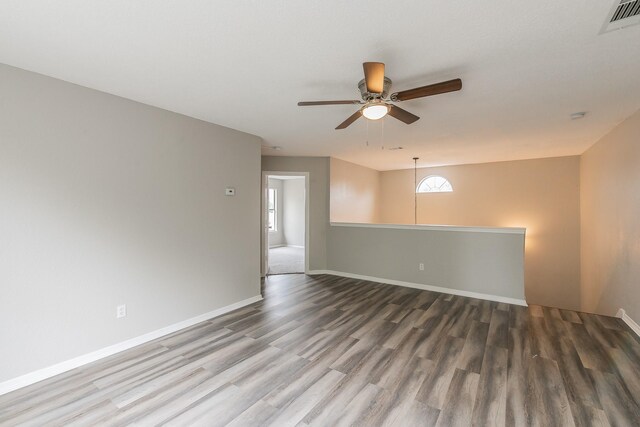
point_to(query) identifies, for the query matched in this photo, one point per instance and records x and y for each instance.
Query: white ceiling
(525, 66)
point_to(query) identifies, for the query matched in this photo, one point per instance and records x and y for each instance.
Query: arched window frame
(444, 187)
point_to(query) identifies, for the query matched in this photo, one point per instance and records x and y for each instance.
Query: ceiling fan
(376, 103)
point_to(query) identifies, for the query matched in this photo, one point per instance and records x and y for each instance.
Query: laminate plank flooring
(331, 351)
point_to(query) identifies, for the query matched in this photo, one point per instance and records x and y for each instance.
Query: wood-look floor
(333, 351)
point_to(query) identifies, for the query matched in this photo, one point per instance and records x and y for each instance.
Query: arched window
(434, 184)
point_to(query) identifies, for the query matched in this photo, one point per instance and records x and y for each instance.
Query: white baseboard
(48, 372)
(629, 321)
(315, 272)
(423, 287)
(295, 246)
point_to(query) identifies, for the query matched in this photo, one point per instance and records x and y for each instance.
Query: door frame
(264, 252)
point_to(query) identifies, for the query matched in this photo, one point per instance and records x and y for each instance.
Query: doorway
(285, 223)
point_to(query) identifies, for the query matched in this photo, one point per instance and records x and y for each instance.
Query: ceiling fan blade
(309, 103)
(435, 89)
(352, 118)
(374, 76)
(402, 115)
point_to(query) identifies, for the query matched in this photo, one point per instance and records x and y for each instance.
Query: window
(273, 207)
(434, 184)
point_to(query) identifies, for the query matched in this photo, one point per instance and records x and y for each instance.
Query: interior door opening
(285, 223)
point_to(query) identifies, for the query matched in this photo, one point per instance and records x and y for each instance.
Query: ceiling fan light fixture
(375, 110)
(374, 91)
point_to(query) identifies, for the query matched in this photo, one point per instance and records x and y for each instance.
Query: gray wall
(293, 211)
(318, 169)
(276, 238)
(610, 222)
(105, 201)
(487, 263)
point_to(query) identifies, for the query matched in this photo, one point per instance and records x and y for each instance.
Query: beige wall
(541, 195)
(610, 198)
(355, 193)
(105, 201)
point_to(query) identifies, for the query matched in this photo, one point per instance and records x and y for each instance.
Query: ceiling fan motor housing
(368, 96)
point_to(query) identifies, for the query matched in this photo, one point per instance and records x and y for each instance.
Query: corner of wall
(609, 228)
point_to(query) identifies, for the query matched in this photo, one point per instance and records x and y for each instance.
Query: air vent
(626, 9)
(624, 13)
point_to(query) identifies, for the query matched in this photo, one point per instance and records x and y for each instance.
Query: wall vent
(624, 13)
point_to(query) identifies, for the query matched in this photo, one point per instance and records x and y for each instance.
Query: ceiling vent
(624, 13)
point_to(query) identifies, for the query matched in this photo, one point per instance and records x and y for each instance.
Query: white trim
(48, 372)
(316, 272)
(295, 246)
(431, 227)
(277, 246)
(423, 287)
(622, 314)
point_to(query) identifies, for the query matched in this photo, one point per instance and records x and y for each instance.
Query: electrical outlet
(421, 266)
(121, 311)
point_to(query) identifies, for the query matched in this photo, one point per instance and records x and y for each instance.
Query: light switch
(230, 191)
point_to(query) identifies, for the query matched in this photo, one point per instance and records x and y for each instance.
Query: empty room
(305, 213)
